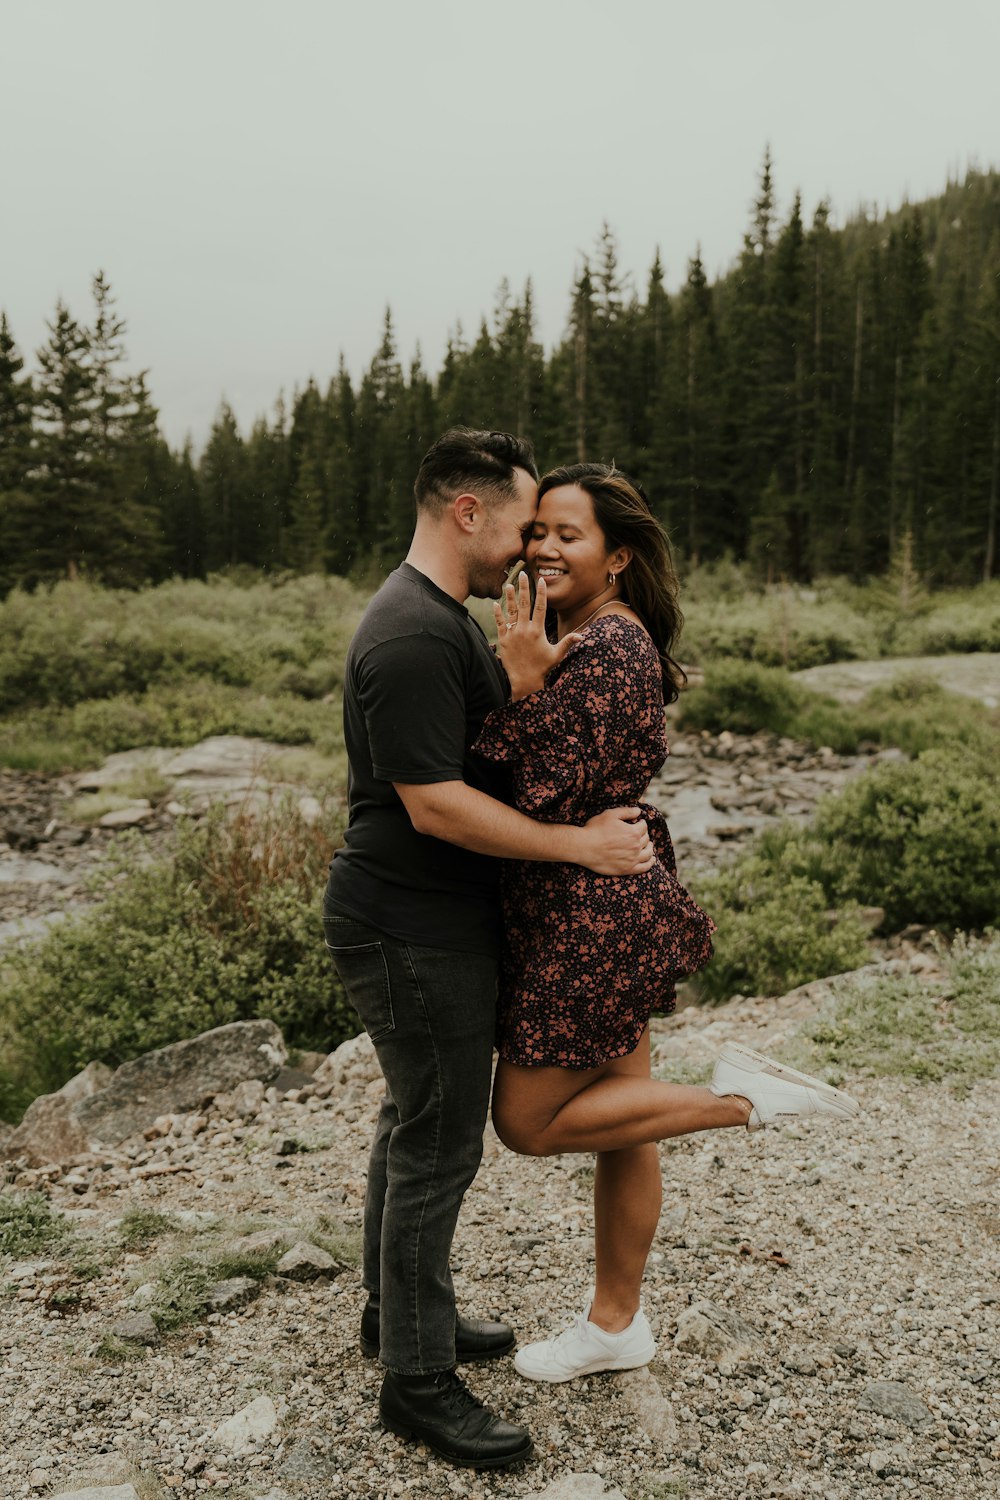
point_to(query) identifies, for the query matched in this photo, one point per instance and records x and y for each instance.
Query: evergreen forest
(831, 401)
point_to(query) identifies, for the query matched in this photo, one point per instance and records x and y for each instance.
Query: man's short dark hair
(463, 459)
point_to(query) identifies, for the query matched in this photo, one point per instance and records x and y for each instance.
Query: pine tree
(16, 511)
(72, 512)
(225, 487)
(15, 413)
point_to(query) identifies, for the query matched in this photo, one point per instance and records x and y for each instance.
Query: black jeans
(430, 1013)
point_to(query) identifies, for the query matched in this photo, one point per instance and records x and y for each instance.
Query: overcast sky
(258, 179)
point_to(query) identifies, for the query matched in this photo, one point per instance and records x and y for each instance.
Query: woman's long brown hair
(649, 583)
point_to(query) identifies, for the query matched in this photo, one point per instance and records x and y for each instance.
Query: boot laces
(456, 1393)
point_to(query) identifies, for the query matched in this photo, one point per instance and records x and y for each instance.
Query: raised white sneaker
(778, 1093)
(583, 1349)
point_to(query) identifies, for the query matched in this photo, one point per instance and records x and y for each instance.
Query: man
(412, 921)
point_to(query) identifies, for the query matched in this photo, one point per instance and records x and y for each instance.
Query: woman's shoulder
(620, 635)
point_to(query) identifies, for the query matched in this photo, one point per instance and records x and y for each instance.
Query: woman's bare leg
(545, 1111)
(627, 1196)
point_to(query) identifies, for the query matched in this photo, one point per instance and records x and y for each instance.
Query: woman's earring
(612, 579)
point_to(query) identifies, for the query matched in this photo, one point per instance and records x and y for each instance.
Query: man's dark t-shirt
(419, 682)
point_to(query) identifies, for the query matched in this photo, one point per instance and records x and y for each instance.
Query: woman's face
(567, 549)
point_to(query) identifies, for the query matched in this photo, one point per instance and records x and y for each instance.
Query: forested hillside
(831, 402)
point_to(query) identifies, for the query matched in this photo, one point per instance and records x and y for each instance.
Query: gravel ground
(856, 1256)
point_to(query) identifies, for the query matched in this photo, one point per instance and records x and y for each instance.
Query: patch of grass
(884, 1025)
(54, 738)
(29, 1224)
(139, 1227)
(114, 1351)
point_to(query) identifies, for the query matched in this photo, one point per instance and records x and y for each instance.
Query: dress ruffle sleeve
(556, 740)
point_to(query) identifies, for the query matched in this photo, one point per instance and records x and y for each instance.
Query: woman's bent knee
(516, 1136)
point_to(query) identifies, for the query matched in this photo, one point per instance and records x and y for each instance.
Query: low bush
(227, 929)
(745, 698)
(76, 641)
(920, 838)
(775, 930)
(834, 620)
(912, 713)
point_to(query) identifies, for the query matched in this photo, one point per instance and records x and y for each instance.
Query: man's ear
(467, 512)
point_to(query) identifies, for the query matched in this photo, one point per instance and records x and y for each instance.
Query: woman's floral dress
(586, 957)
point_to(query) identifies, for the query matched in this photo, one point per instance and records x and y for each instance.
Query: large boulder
(102, 1108)
(50, 1130)
(179, 1077)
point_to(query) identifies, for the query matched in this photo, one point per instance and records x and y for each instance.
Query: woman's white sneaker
(778, 1093)
(584, 1349)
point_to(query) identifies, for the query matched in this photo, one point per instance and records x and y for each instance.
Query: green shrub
(76, 641)
(921, 838)
(744, 698)
(774, 927)
(788, 626)
(227, 929)
(915, 713)
(912, 713)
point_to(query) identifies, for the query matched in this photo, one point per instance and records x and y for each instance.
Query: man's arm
(609, 844)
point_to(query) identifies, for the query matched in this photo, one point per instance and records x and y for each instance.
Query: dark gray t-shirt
(420, 680)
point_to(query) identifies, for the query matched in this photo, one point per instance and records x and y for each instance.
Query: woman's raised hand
(524, 648)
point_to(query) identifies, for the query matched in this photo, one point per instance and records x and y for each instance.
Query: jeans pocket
(365, 975)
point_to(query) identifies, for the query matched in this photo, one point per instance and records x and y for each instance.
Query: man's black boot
(475, 1339)
(442, 1412)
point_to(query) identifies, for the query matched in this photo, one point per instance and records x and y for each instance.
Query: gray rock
(242, 1432)
(177, 1078)
(137, 1329)
(261, 1243)
(890, 1398)
(801, 1361)
(237, 1291)
(305, 1262)
(892, 1460)
(649, 1406)
(222, 755)
(577, 1487)
(101, 1492)
(305, 1458)
(137, 812)
(247, 1097)
(353, 1065)
(714, 1332)
(50, 1130)
(17, 871)
(123, 763)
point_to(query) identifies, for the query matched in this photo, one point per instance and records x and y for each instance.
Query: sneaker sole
(739, 1056)
(596, 1367)
(505, 1462)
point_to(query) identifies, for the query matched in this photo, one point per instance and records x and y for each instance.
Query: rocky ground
(825, 1301)
(824, 1298)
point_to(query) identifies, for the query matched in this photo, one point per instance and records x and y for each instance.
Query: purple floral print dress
(587, 957)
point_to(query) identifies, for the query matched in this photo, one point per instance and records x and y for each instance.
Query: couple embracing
(501, 884)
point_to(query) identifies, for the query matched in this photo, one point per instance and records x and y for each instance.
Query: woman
(587, 957)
